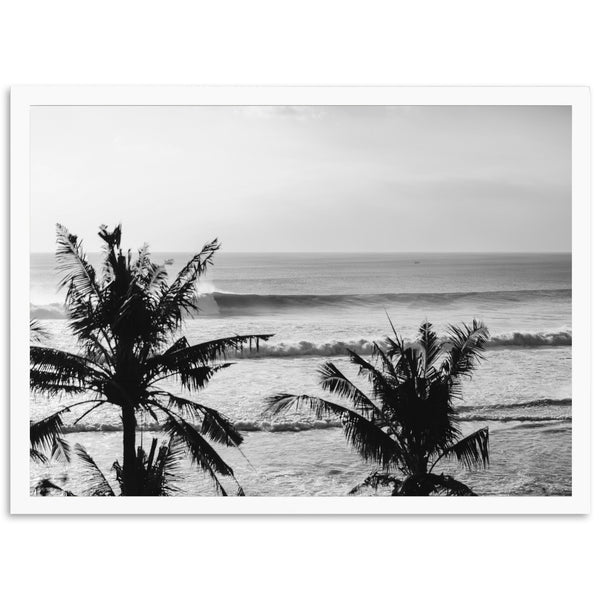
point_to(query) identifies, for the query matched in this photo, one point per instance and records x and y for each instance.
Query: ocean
(317, 305)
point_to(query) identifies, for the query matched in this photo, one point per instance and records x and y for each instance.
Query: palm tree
(159, 473)
(127, 322)
(407, 423)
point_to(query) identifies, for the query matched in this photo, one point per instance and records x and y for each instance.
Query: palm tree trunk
(130, 476)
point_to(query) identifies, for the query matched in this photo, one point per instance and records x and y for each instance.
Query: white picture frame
(23, 98)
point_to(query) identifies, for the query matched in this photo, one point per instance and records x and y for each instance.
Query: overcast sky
(362, 179)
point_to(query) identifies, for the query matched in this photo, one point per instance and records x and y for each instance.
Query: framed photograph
(300, 300)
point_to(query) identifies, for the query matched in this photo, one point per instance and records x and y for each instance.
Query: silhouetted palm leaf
(446, 486)
(97, 484)
(78, 275)
(430, 349)
(368, 439)
(466, 346)
(472, 451)
(166, 468)
(376, 481)
(44, 487)
(38, 456)
(56, 371)
(334, 381)
(185, 357)
(201, 451)
(213, 424)
(61, 450)
(179, 298)
(383, 384)
(45, 432)
(196, 378)
(37, 332)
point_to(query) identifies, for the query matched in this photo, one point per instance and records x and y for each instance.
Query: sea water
(318, 305)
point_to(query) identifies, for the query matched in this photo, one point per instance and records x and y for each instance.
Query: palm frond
(97, 484)
(448, 486)
(390, 372)
(61, 450)
(54, 371)
(383, 385)
(45, 432)
(472, 451)
(153, 278)
(397, 341)
(89, 321)
(371, 442)
(45, 487)
(178, 299)
(334, 381)
(376, 481)
(166, 467)
(181, 358)
(214, 425)
(38, 456)
(43, 356)
(37, 332)
(78, 275)
(202, 453)
(431, 348)
(219, 428)
(53, 384)
(196, 378)
(97, 404)
(466, 344)
(206, 352)
(178, 344)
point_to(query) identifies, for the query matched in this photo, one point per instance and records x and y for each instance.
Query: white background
(445, 43)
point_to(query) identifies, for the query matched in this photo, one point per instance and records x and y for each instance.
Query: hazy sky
(305, 178)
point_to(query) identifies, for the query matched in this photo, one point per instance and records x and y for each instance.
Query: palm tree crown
(407, 422)
(126, 321)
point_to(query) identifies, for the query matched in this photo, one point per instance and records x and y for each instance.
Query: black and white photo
(299, 300)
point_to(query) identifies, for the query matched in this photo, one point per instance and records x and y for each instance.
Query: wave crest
(218, 303)
(224, 303)
(364, 346)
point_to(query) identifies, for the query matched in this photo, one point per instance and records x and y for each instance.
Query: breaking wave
(516, 418)
(222, 303)
(519, 405)
(364, 346)
(217, 303)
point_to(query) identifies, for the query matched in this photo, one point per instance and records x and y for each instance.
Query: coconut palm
(127, 323)
(406, 423)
